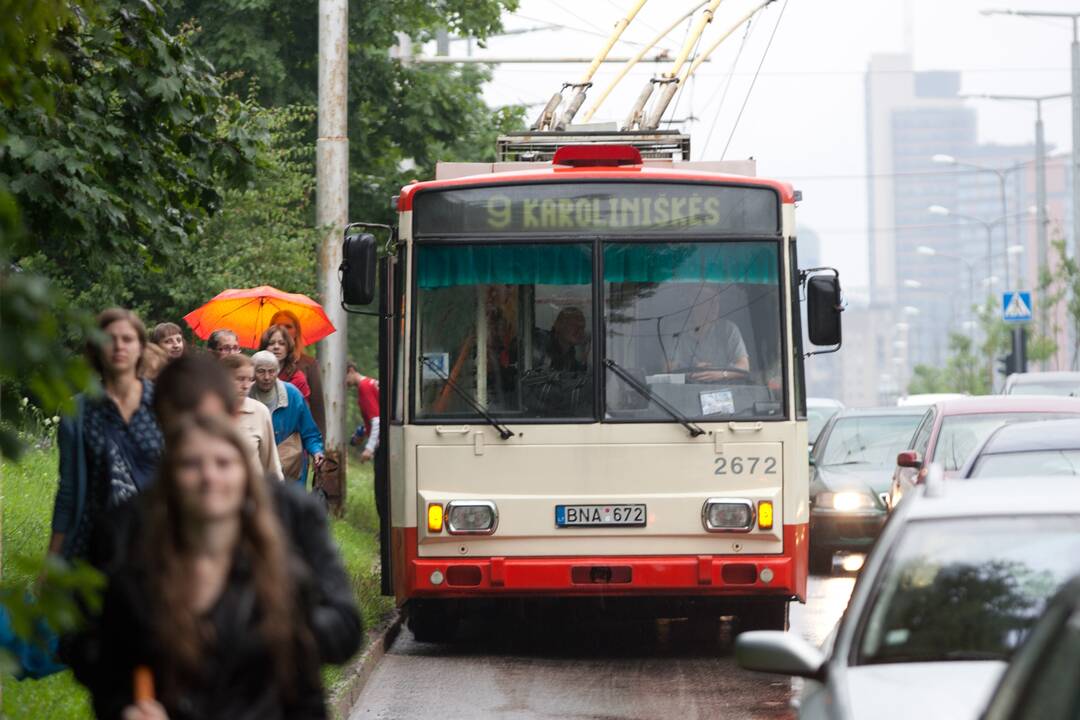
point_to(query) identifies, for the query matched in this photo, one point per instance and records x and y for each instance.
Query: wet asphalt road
(625, 670)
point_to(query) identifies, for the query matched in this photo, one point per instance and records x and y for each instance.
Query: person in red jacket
(367, 397)
(277, 340)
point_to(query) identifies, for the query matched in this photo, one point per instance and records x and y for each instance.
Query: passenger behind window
(566, 346)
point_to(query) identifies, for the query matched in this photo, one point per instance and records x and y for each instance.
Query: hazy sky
(804, 120)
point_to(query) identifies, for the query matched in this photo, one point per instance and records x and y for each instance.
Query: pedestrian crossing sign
(1016, 306)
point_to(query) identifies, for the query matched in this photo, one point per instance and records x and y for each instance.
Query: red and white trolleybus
(592, 377)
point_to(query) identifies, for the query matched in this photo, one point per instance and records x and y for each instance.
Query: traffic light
(1016, 360)
(1007, 364)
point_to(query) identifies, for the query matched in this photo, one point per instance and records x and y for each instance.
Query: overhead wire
(750, 25)
(753, 81)
(564, 26)
(574, 15)
(641, 22)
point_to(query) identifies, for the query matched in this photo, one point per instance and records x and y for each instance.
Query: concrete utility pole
(1040, 164)
(1074, 49)
(332, 212)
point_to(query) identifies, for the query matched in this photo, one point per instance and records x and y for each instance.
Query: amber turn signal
(434, 518)
(764, 514)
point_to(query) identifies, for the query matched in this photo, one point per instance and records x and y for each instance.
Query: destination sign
(602, 208)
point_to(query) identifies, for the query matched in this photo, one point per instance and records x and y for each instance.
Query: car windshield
(816, 418)
(699, 324)
(966, 589)
(1021, 464)
(961, 434)
(869, 440)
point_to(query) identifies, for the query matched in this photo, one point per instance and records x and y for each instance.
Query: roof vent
(597, 155)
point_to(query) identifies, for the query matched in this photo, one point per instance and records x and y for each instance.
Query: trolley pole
(332, 213)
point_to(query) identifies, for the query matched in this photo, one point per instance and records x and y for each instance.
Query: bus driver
(709, 348)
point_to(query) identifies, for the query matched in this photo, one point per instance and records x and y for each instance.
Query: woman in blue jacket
(295, 431)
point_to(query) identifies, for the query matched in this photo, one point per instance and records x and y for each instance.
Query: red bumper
(677, 575)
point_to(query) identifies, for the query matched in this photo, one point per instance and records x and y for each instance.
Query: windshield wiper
(846, 462)
(648, 394)
(504, 432)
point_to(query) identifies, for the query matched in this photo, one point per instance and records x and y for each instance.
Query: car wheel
(432, 621)
(763, 614)
(820, 561)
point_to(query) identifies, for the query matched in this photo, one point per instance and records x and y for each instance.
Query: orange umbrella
(247, 312)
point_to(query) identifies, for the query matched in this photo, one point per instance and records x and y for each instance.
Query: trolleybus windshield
(522, 318)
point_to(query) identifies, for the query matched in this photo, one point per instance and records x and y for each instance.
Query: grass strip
(27, 489)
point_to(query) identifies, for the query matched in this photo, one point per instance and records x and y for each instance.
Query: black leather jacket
(236, 679)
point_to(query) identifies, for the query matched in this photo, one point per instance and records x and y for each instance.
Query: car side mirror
(782, 653)
(811, 453)
(909, 459)
(358, 263)
(823, 308)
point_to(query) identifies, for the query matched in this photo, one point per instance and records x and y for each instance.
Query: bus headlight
(471, 517)
(727, 515)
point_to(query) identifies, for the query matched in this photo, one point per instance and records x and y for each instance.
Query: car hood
(853, 477)
(952, 690)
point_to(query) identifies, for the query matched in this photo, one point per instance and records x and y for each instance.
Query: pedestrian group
(184, 482)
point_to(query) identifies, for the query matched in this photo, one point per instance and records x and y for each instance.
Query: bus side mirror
(823, 308)
(358, 265)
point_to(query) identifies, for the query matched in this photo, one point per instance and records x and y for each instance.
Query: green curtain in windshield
(440, 266)
(747, 262)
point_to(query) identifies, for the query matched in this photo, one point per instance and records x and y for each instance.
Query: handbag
(291, 453)
(329, 484)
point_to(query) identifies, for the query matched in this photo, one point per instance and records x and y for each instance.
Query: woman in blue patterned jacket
(109, 450)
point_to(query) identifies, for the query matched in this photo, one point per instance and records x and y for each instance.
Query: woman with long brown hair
(276, 340)
(305, 363)
(209, 601)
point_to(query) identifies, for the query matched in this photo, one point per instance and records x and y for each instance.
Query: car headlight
(471, 517)
(845, 501)
(728, 515)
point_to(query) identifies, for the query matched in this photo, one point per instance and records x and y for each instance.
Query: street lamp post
(950, 160)
(988, 226)
(1040, 166)
(1074, 50)
(931, 252)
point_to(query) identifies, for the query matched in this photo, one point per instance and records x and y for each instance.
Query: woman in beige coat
(252, 418)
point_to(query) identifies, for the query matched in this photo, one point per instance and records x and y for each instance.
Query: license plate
(599, 515)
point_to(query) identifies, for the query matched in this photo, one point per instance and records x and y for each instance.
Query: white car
(818, 412)
(926, 399)
(958, 577)
(1065, 384)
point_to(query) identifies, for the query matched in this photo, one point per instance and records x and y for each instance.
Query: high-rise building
(911, 118)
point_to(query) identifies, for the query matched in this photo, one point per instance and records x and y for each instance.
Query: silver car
(958, 577)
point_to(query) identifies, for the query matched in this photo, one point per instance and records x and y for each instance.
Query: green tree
(1060, 285)
(131, 163)
(403, 118)
(33, 355)
(926, 379)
